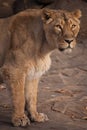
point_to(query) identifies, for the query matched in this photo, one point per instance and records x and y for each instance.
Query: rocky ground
(63, 89)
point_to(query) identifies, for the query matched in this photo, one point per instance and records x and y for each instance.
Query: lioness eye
(58, 27)
(73, 26)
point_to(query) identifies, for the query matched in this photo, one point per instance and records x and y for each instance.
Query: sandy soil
(63, 89)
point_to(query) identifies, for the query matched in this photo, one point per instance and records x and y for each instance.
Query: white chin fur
(68, 51)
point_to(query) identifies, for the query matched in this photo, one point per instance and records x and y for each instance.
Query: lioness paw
(40, 117)
(20, 121)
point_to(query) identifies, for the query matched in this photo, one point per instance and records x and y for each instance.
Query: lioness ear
(47, 16)
(77, 13)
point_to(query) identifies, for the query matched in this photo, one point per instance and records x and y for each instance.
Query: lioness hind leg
(31, 88)
(17, 90)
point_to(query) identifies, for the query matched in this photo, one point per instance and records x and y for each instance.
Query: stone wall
(10, 7)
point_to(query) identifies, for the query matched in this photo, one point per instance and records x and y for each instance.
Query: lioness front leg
(17, 90)
(31, 101)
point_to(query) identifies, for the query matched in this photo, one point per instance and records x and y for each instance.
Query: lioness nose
(68, 41)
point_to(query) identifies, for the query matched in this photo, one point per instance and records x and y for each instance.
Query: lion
(27, 41)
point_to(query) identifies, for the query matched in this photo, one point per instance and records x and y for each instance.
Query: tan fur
(27, 41)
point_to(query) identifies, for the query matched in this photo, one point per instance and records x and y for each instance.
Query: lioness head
(61, 28)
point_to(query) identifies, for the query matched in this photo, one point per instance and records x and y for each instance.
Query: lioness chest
(39, 68)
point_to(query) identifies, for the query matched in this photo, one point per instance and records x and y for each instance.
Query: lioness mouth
(66, 50)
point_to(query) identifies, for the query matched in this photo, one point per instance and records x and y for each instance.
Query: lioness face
(61, 29)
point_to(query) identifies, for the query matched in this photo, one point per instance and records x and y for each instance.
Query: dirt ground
(63, 89)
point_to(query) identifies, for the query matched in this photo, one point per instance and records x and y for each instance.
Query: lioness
(27, 40)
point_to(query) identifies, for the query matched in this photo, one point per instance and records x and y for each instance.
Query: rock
(6, 8)
(73, 109)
